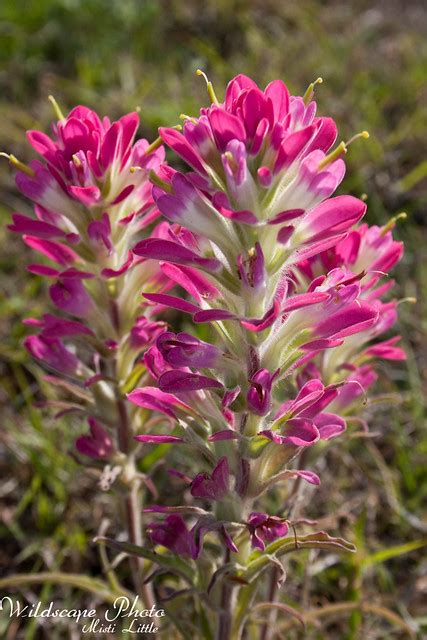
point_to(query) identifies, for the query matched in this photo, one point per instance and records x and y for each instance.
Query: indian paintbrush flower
(282, 284)
(288, 281)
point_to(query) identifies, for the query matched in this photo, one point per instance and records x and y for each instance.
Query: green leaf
(319, 540)
(85, 583)
(158, 452)
(392, 552)
(174, 564)
(413, 177)
(280, 607)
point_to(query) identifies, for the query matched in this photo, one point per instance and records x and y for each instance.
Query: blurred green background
(121, 54)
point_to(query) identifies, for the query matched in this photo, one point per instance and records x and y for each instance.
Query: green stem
(133, 506)
(225, 616)
(269, 624)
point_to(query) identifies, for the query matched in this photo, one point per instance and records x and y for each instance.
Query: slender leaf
(174, 564)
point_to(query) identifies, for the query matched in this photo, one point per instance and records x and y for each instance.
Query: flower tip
(185, 117)
(56, 108)
(342, 148)
(410, 299)
(392, 223)
(310, 90)
(363, 134)
(18, 164)
(209, 86)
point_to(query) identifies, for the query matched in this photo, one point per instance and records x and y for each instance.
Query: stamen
(56, 108)
(184, 116)
(135, 169)
(362, 134)
(18, 164)
(409, 299)
(392, 223)
(153, 146)
(155, 179)
(209, 85)
(77, 161)
(341, 148)
(310, 90)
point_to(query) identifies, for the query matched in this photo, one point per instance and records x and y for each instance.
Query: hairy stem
(269, 624)
(224, 622)
(134, 527)
(133, 506)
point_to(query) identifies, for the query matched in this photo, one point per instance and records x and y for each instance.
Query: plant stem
(269, 624)
(134, 527)
(224, 622)
(133, 506)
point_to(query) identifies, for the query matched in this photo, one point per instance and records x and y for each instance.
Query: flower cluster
(92, 202)
(291, 288)
(285, 309)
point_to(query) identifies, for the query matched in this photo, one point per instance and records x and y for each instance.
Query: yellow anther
(364, 196)
(209, 85)
(184, 116)
(18, 164)
(341, 148)
(251, 252)
(362, 134)
(135, 169)
(56, 108)
(77, 160)
(392, 223)
(155, 179)
(310, 90)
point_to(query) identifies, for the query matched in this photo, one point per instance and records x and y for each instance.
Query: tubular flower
(96, 445)
(264, 528)
(289, 283)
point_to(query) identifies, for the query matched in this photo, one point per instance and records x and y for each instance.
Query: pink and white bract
(92, 202)
(290, 284)
(282, 307)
